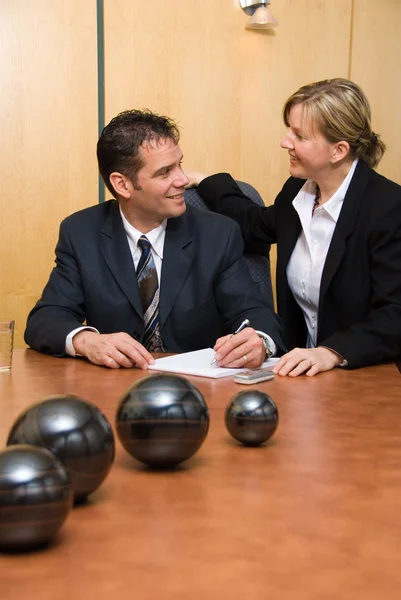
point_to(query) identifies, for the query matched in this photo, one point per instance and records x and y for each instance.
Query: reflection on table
(313, 514)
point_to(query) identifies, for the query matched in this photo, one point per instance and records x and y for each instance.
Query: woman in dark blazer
(337, 225)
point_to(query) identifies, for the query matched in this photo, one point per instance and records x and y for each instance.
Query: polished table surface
(313, 514)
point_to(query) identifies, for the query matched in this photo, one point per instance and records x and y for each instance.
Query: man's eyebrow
(166, 167)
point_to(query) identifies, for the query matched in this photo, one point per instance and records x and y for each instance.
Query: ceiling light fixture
(261, 16)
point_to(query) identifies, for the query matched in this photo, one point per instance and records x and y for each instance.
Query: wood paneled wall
(48, 116)
(193, 60)
(375, 65)
(226, 85)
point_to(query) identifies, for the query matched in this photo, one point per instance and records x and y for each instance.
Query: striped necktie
(148, 285)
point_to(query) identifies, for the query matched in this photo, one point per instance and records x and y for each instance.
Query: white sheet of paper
(198, 363)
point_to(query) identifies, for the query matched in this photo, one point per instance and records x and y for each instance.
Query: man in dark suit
(145, 272)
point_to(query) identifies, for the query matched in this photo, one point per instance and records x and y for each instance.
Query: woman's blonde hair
(341, 112)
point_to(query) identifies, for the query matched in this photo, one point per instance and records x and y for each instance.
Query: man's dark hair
(120, 141)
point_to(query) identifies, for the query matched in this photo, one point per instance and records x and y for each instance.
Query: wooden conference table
(314, 514)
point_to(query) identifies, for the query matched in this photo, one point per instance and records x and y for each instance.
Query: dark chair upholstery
(259, 266)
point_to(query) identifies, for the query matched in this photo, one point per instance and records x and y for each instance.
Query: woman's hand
(195, 178)
(310, 361)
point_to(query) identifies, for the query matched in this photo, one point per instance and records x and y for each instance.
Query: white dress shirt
(156, 238)
(305, 267)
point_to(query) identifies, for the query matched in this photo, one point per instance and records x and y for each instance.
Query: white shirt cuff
(271, 342)
(69, 348)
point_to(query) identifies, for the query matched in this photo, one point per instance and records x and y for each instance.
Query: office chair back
(259, 266)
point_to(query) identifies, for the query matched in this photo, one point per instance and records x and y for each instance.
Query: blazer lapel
(345, 226)
(178, 255)
(290, 233)
(117, 254)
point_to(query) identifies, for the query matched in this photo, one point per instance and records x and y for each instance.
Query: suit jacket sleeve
(239, 297)
(376, 336)
(61, 309)
(222, 194)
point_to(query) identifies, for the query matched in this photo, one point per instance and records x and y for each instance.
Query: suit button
(136, 335)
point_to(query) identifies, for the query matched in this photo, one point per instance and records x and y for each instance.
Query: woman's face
(310, 152)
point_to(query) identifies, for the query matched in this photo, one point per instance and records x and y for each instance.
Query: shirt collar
(307, 193)
(155, 236)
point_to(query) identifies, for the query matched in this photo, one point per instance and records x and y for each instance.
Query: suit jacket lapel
(117, 254)
(178, 255)
(289, 226)
(345, 226)
(289, 236)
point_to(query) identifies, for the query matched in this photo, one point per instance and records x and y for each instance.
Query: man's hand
(307, 360)
(113, 350)
(194, 178)
(240, 350)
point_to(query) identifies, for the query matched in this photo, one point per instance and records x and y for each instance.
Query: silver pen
(245, 323)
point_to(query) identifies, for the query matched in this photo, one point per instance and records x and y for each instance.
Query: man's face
(159, 187)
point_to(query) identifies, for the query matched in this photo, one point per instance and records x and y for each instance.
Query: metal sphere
(162, 420)
(35, 497)
(251, 417)
(76, 431)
